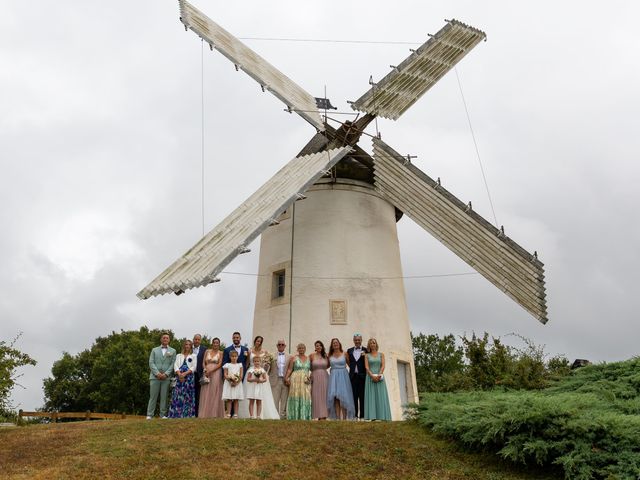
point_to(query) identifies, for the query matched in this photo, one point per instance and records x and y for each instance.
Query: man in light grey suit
(161, 364)
(277, 372)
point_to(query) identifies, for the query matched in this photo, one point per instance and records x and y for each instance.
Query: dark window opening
(278, 284)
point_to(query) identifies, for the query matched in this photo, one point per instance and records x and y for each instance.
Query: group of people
(242, 382)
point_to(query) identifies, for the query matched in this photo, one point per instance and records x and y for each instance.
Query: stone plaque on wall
(338, 312)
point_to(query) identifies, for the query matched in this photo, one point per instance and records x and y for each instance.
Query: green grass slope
(199, 448)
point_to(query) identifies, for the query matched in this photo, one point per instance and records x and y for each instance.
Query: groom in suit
(198, 351)
(161, 365)
(243, 353)
(357, 374)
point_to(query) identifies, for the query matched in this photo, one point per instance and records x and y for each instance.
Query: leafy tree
(489, 363)
(529, 368)
(67, 390)
(558, 367)
(10, 360)
(439, 363)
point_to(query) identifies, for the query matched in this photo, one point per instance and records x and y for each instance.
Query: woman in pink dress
(319, 378)
(211, 404)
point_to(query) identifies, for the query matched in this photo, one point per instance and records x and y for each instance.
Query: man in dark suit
(357, 374)
(199, 351)
(243, 353)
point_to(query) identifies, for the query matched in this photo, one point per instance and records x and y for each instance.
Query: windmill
(329, 256)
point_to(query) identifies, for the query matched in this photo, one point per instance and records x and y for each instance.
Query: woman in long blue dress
(339, 393)
(376, 398)
(183, 397)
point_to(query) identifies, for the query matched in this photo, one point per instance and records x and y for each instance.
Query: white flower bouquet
(234, 379)
(257, 373)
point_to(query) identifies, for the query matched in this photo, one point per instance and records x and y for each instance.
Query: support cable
(202, 134)
(409, 277)
(293, 226)
(473, 136)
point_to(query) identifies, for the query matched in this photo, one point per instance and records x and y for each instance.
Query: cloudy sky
(101, 160)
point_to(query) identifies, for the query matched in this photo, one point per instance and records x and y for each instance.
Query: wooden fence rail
(88, 415)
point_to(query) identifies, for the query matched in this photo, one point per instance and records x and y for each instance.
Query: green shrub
(587, 424)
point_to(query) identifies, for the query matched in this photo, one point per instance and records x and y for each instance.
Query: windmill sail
(207, 258)
(485, 248)
(268, 76)
(401, 88)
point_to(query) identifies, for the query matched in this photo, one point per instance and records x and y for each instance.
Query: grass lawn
(198, 448)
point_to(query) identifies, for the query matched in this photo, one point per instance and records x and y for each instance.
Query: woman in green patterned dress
(376, 399)
(298, 378)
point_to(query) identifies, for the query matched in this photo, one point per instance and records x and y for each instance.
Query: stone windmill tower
(329, 255)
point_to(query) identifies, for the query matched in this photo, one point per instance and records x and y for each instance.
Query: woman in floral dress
(298, 378)
(183, 397)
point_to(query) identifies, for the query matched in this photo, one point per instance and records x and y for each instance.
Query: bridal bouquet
(267, 358)
(235, 379)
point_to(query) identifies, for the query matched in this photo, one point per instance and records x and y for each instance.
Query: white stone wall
(345, 251)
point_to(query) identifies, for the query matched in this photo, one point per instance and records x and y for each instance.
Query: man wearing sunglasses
(277, 372)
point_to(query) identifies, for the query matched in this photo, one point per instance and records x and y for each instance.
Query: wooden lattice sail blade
(406, 83)
(201, 264)
(270, 78)
(499, 259)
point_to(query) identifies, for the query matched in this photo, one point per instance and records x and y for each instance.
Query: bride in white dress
(269, 411)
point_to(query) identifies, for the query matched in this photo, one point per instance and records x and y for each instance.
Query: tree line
(448, 364)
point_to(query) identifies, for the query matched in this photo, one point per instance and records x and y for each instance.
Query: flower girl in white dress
(269, 410)
(256, 384)
(232, 390)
